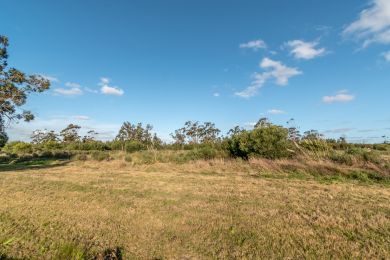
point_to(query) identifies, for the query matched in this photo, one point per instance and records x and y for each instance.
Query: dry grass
(216, 209)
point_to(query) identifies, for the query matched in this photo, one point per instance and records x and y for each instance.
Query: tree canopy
(15, 86)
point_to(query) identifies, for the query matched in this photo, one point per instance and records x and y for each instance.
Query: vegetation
(266, 192)
(256, 209)
(14, 89)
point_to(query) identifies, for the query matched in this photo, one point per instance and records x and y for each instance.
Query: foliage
(3, 139)
(18, 147)
(14, 89)
(70, 134)
(195, 133)
(266, 140)
(41, 137)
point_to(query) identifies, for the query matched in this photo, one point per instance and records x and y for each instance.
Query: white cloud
(216, 94)
(341, 96)
(386, 55)
(68, 92)
(91, 90)
(254, 45)
(73, 89)
(49, 78)
(81, 117)
(275, 112)
(275, 70)
(109, 90)
(305, 50)
(72, 85)
(373, 24)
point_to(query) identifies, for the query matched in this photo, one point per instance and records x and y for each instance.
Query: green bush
(381, 147)
(100, 156)
(134, 146)
(5, 158)
(80, 157)
(342, 158)
(371, 156)
(128, 158)
(18, 147)
(269, 142)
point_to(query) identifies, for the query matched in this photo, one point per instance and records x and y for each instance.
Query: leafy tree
(195, 133)
(235, 131)
(266, 140)
(70, 133)
(90, 137)
(3, 135)
(179, 136)
(263, 122)
(40, 137)
(133, 137)
(312, 135)
(14, 89)
(293, 131)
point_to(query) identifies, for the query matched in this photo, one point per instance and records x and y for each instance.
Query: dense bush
(100, 156)
(269, 142)
(18, 147)
(134, 146)
(342, 158)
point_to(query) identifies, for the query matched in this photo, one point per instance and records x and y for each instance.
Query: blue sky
(324, 63)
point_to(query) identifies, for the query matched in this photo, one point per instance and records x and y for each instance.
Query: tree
(15, 86)
(90, 137)
(41, 137)
(195, 133)
(266, 140)
(134, 137)
(312, 135)
(70, 133)
(263, 122)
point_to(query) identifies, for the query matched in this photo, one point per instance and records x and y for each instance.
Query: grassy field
(199, 210)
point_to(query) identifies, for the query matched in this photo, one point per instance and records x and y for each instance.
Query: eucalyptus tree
(70, 134)
(15, 86)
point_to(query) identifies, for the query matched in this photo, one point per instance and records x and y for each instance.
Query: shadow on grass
(32, 165)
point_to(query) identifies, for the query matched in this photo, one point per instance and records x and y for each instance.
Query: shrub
(342, 158)
(18, 148)
(80, 157)
(134, 146)
(202, 153)
(61, 155)
(4, 158)
(100, 156)
(128, 158)
(371, 156)
(380, 147)
(269, 142)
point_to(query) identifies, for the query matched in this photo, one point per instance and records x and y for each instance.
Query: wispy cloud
(305, 50)
(72, 85)
(274, 70)
(81, 117)
(68, 92)
(338, 131)
(386, 56)
(276, 112)
(49, 78)
(109, 90)
(216, 94)
(254, 45)
(373, 24)
(342, 97)
(73, 89)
